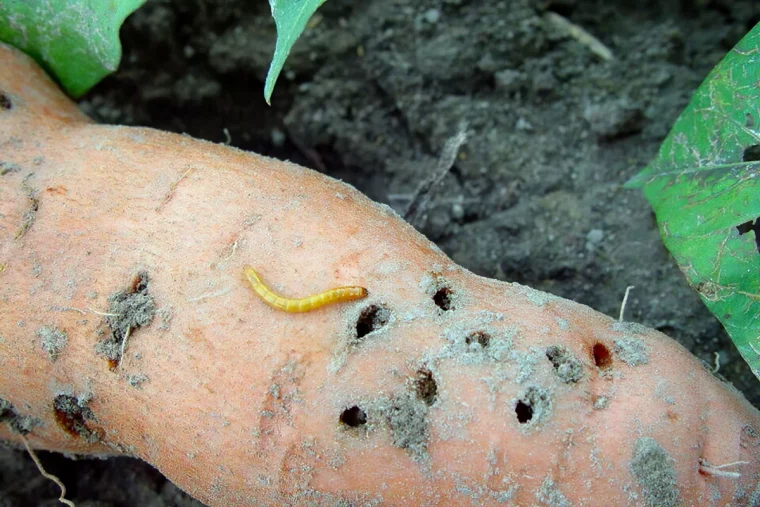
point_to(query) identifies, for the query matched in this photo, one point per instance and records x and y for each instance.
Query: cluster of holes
(602, 356)
(425, 389)
(353, 417)
(371, 319)
(5, 102)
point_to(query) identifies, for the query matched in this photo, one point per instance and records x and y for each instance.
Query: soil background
(372, 92)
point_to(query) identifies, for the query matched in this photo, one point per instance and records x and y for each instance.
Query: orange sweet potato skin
(241, 404)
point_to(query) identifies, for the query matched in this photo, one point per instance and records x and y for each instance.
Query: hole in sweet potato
(480, 337)
(371, 319)
(524, 412)
(71, 414)
(442, 299)
(353, 417)
(602, 356)
(425, 386)
(5, 102)
(751, 153)
(566, 366)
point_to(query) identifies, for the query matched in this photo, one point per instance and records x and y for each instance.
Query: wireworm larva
(304, 304)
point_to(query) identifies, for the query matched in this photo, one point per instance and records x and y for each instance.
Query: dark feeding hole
(140, 282)
(480, 337)
(442, 299)
(371, 319)
(751, 153)
(425, 386)
(524, 412)
(749, 121)
(751, 227)
(353, 417)
(71, 416)
(602, 356)
(5, 102)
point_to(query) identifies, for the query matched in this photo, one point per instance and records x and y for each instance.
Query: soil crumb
(549, 494)
(568, 368)
(53, 341)
(130, 309)
(631, 351)
(137, 380)
(72, 413)
(655, 472)
(21, 424)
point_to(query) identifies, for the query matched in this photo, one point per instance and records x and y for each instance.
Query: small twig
(625, 301)
(421, 201)
(124, 345)
(46, 475)
(717, 470)
(173, 186)
(72, 309)
(581, 35)
(207, 295)
(104, 314)
(717, 362)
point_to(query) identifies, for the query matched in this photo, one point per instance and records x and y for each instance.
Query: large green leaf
(290, 17)
(77, 41)
(704, 186)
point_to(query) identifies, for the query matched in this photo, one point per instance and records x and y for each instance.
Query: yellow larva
(304, 304)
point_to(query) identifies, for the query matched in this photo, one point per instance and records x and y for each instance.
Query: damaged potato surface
(439, 388)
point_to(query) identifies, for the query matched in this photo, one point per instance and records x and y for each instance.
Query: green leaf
(290, 17)
(704, 186)
(76, 41)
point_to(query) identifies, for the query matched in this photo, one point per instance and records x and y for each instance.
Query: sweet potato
(438, 388)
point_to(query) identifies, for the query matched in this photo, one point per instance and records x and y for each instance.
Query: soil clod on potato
(655, 472)
(53, 341)
(407, 417)
(568, 368)
(21, 424)
(128, 310)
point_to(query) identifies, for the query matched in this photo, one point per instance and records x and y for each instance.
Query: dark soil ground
(372, 92)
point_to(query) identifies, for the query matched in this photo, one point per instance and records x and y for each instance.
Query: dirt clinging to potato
(52, 340)
(128, 310)
(18, 423)
(568, 368)
(655, 472)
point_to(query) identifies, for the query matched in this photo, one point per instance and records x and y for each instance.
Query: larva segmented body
(306, 304)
